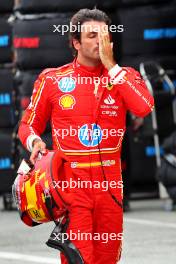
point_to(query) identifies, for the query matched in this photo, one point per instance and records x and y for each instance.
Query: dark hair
(82, 16)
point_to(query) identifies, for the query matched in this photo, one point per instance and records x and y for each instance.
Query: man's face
(88, 47)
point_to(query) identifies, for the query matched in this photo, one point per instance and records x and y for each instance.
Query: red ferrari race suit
(87, 116)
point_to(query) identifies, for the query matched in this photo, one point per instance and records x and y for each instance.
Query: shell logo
(67, 102)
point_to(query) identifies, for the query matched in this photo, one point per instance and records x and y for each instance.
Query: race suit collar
(87, 70)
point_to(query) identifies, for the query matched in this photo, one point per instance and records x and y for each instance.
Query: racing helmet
(37, 194)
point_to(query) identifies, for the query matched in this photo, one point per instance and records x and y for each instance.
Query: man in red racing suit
(88, 124)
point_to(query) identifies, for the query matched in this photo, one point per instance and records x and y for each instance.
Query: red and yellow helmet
(39, 199)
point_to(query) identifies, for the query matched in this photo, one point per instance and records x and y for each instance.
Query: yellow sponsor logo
(67, 101)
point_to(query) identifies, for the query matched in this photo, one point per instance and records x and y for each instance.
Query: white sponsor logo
(109, 100)
(109, 113)
(109, 106)
(108, 162)
(74, 164)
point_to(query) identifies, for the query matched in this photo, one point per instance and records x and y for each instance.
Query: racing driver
(87, 116)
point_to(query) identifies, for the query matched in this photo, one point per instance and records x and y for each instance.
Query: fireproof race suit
(87, 109)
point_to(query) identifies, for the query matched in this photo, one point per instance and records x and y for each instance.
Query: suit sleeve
(133, 90)
(35, 117)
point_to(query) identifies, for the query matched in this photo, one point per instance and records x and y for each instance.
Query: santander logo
(109, 100)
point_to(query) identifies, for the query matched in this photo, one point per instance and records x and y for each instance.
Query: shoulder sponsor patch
(66, 84)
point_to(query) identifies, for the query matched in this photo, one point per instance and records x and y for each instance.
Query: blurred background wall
(28, 45)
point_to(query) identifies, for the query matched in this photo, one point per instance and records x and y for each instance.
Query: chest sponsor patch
(67, 102)
(109, 100)
(109, 113)
(66, 84)
(90, 135)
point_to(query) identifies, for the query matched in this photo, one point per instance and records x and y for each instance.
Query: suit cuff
(116, 74)
(30, 140)
(115, 71)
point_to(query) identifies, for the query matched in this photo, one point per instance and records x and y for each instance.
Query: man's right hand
(38, 147)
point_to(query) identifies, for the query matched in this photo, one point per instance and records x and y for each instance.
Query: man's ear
(76, 44)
